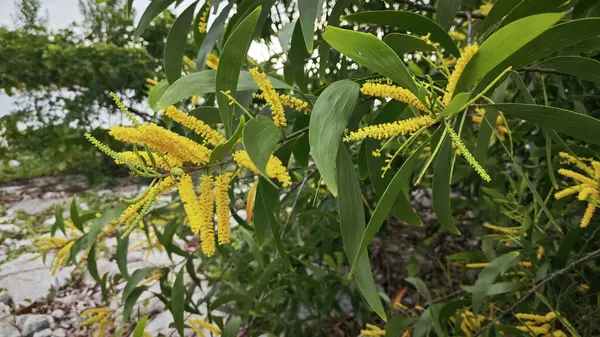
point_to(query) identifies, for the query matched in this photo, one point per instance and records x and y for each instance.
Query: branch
(431, 9)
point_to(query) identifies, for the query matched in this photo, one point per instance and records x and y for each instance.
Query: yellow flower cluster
(135, 212)
(190, 202)
(461, 64)
(271, 96)
(118, 157)
(387, 130)
(222, 206)
(102, 316)
(204, 19)
(199, 127)
(470, 323)
(206, 204)
(197, 325)
(151, 82)
(275, 168)
(163, 140)
(468, 156)
(289, 101)
(165, 162)
(506, 230)
(458, 36)
(212, 61)
(124, 109)
(391, 91)
(586, 187)
(372, 330)
(427, 39)
(63, 246)
(500, 126)
(539, 325)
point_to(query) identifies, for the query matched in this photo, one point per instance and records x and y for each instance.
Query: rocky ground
(33, 303)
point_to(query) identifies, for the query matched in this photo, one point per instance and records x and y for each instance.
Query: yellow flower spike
(204, 19)
(458, 36)
(212, 61)
(525, 264)
(506, 230)
(461, 63)
(61, 257)
(392, 91)
(578, 177)
(536, 330)
(206, 205)
(151, 82)
(388, 130)
(275, 168)
(163, 140)
(129, 157)
(190, 202)
(134, 211)
(294, 103)
(406, 333)
(579, 163)
(476, 265)
(197, 324)
(118, 157)
(372, 330)
(540, 253)
(124, 109)
(468, 156)
(587, 216)
(210, 135)
(222, 205)
(271, 96)
(568, 191)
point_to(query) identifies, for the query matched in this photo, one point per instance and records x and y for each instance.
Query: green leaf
(156, 93)
(214, 33)
(230, 64)
(502, 44)
(386, 202)
(121, 255)
(328, 120)
(203, 82)
(133, 281)
(500, 9)
(552, 40)
(352, 221)
(582, 67)
(232, 328)
(369, 51)
(404, 44)
(397, 325)
(260, 140)
(441, 187)
(297, 58)
(91, 264)
(499, 288)
(532, 7)
(266, 207)
(178, 302)
(285, 35)
(140, 327)
(131, 301)
(488, 275)
(128, 7)
(153, 10)
(207, 114)
(574, 124)
(175, 45)
(74, 214)
(222, 149)
(408, 21)
(59, 223)
(434, 310)
(454, 106)
(308, 14)
(446, 12)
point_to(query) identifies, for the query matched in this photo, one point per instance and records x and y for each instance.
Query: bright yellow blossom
(500, 126)
(586, 187)
(197, 325)
(271, 96)
(470, 322)
(163, 140)
(506, 230)
(461, 63)
(387, 130)
(222, 206)
(210, 135)
(289, 101)
(372, 330)
(458, 36)
(165, 162)
(391, 91)
(102, 316)
(206, 205)
(212, 61)
(204, 19)
(275, 168)
(190, 202)
(136, 210)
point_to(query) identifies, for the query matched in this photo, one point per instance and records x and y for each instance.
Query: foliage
(466, 115)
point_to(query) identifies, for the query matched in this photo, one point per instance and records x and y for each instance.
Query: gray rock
(5, 313)
(30, 324)
(58, 314)
(43, 333)
(11, 229)
(9, 330)
(60, 332)
(6, 299)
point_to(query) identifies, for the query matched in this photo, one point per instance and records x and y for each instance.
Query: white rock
(9, 330)
(32, 323)
(60, 332)
(58, 313)
(43, 333)
(5, 313)
(6, 299)
(11, 229)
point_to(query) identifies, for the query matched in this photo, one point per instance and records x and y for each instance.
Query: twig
(589, 256)
(427, 8)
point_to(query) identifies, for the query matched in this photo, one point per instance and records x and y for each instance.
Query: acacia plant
(488, 107)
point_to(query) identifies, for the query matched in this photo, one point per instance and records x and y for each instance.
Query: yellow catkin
(198, 323)
(587, 216)
(190, 202)
(500, 128)
(271, 96)
(212, 61)
(568, 191)
(525, 264)
(202, 25)
(165, 162)
(61, 257)
(540, 253)
(507, 230)
(461, 63)
(222, 206)
(536, 330)
(289, 102)
(206, 203)
(458, 36)
(151, 82)
(537, 319)
(569, 159)
(372, 330)
(406, 333)
(210, 135)
(596, 166)
(578, 177)
(468, 156)
(163, 140)
(391, 91)
(387, 130)
(132, 212)
(275, 168)
(477, 265)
